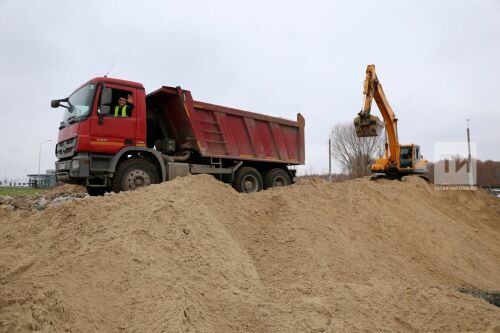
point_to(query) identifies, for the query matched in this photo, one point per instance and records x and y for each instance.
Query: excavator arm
(367, 125)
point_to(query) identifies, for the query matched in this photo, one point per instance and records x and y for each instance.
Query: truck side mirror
(105, 110)
(105, 106)
(55, 103)
(106, 96)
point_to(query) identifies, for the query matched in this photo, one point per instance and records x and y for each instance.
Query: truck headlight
(75, 164)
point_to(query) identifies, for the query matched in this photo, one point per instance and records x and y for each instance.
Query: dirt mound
(192, 255)
(42, 200)
(66, 189)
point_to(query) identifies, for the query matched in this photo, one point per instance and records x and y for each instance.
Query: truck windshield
(80, 104)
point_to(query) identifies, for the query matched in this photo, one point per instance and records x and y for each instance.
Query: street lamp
(40, 154)
(5, 172)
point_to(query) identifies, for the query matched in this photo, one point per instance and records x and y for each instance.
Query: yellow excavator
(398, 160)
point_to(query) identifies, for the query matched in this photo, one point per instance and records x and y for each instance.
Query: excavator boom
(369, 125)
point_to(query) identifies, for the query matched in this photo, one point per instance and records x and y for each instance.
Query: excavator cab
(406, 156)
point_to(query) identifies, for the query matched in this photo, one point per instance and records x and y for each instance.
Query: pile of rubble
(42, 200)
(37, 202)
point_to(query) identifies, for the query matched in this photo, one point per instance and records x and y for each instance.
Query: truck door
(110, 133)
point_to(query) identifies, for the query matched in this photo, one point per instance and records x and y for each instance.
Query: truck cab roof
(110, 80)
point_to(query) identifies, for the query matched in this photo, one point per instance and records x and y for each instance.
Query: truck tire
(134, 173)
(277, 177)
(247, 180)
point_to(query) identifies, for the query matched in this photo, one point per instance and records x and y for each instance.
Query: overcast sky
(439, 63)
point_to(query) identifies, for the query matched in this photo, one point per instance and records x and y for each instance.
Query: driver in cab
(124, 107)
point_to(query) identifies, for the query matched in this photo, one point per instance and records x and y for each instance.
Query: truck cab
(115, 137)
(90, 135)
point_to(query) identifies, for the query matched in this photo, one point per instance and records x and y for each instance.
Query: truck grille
(66, 148)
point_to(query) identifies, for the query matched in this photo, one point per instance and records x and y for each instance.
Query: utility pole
(329, 159)
(469, 159)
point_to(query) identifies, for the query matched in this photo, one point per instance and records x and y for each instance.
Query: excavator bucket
(368, 125)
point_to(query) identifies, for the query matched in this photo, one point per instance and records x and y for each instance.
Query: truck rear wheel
(247, 180)
(134, 173)
(276, 178)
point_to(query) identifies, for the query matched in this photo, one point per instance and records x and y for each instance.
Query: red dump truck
(115, 137)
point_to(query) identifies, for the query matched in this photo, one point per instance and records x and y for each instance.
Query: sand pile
(192, 255)
(66, 189)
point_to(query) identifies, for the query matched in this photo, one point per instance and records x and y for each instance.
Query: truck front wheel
(134, 173)
(247, 180)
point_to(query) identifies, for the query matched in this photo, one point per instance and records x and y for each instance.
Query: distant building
(48, 179)
(14, 183)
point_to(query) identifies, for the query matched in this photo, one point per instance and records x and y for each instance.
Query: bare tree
(354, 154)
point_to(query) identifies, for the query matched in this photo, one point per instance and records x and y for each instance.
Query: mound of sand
(192, 255)
(65, 189)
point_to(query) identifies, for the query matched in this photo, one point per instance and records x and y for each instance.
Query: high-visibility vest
(117, 111)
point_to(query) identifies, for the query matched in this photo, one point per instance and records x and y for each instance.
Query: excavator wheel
(426, 178)
(422, 176)
(378, 176)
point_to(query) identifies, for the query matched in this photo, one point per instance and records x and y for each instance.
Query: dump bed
(217, 131)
